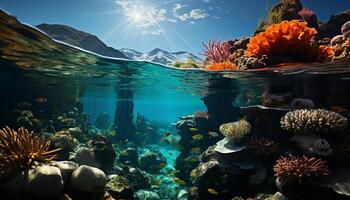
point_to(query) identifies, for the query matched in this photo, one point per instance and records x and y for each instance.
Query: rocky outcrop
(333, 26)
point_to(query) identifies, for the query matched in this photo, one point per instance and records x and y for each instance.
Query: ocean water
(137, 104)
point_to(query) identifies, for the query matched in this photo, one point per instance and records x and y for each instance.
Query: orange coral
(222, 66)
(287, 37)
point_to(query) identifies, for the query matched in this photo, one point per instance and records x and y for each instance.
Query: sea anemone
(221, 66)
(217, 52)
(313, 121)
(295, 167)
(288, 38)
(236, 131)
(262, 146)
(21, 149)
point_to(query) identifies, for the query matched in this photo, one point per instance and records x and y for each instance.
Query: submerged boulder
(88, 179)
(119, 187)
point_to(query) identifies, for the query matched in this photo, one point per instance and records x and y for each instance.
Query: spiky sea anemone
(236, 131)
(299, 167)
(217, 52)
(313, 121)
(21, 149)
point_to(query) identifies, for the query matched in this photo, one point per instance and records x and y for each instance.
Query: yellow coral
(283, 38)
(222, 66)
(235, 131)
(21, 149)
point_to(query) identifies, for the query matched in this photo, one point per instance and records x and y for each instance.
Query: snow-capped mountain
(159, 56)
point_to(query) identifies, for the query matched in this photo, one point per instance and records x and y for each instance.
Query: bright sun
(136, 16)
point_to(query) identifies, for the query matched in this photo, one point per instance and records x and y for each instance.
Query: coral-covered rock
(334, 24)
(119, 187)
(67, 143)
(152, 161)
(301, 103)
(129, 156)
(245, 62)
(104, 152)
(146, 195)
(88, 179)
(66, 168)
(85, 156)
(345, 30)
(337, 40)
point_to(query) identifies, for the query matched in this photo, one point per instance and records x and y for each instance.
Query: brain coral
(235, 131)
(286, 38)
(313, 121)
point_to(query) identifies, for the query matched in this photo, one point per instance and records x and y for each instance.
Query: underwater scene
(254, 106)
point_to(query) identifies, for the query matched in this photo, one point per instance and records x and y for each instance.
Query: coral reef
(288, 38)
(221, 66)
(345, 30)
(313, 121)
(321, 147)
(21, 149)
(217, 52)
(245, 62)
(236, 131)
(293, 167)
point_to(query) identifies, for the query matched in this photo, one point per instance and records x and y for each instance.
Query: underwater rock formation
(119, 187)
(88, 179)
(333, 27)
(313, 121)
(103, 151)
(308, 16)
(146, 195)
(152, 161)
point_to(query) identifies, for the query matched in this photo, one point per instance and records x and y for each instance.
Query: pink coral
(217, 51)
(307, 15)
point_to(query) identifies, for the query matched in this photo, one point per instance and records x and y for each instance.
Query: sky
(172, 25)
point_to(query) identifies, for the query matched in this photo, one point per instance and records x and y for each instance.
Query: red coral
(217, 52)
(262, 146)
(287, 37)
(300, 167)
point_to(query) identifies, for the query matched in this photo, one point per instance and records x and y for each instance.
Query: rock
(129, 156)
(88, 179)
(277, 196)
(75, 132)
(301, 103)
(271, 100)
(104, 152)
(45, 181)
(334, 25)
(224, 146)
(64, 197)
(152, 161)
(119, 187)
(337, 40)
(138, 179)
(240, 43)
(182, 195)
(85, 156)
(66, 168)
(146, 195)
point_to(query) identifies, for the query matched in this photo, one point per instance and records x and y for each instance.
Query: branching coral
(221, 66)
(293, 167)
(217, 52)
(21, 149)
(236, 131)
(286, 38)
(263, 146)
(313, 121)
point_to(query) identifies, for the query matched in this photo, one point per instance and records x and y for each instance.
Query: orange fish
(41, 100)
(162, 164)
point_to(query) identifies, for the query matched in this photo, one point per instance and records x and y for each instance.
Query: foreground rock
(88, 179)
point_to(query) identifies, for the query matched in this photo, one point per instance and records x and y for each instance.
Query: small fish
(197, 137)
(170, 154)
(166, 141)
(212, 191)
(179, 181)
(137, 133)
(156, 182)
(162, 164)
(213, 134)
(41, 100)
(166, 134)
(149, 128)
(193, 129)
(195, 150)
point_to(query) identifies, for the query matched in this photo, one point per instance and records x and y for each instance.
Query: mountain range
(92, 43)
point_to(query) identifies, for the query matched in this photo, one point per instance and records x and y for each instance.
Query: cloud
(141, 16)
(194, 14)
(153, 32)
